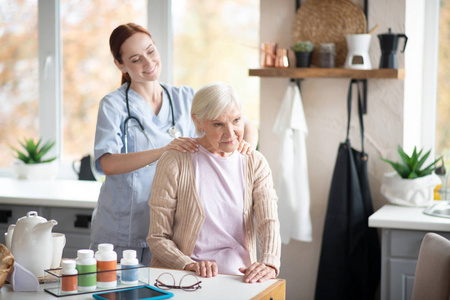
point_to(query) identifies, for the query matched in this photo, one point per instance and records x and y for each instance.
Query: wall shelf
(328, 73)
(360, 75)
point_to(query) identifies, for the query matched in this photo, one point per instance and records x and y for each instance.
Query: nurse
(136, 124)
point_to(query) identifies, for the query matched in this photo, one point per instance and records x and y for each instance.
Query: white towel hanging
(293, 183)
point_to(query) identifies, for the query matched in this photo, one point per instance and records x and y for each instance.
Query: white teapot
(31, 242)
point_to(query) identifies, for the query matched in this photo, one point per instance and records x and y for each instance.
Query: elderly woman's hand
(245, 148)
(258, 272)
(203, 268)
(183, 144)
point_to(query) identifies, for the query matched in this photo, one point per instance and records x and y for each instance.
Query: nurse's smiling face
(222, 135)
(140, 58)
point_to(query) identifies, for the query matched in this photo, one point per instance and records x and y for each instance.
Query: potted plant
(303, 52)
(31, 164)
(411, 184)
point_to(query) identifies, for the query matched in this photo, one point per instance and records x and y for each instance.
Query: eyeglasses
(188, 282)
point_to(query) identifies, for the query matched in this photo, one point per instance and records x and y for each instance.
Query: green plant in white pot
(411, 184)
(32, 163)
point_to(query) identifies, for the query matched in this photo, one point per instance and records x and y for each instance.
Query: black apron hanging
(350, 259)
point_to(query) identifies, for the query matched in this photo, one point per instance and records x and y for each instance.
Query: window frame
(421, 67)
(430, 75)
(160, 26)
(50, 74)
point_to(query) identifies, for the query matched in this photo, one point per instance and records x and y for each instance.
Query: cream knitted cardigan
(176, 212)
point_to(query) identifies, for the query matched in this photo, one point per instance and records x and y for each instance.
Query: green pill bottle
(86, 263)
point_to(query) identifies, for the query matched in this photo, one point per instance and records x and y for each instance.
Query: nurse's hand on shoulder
(258, 272)
(245, 148)
(183, 144)
(203, 268)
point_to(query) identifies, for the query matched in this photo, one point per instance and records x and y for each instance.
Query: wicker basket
(328, 21)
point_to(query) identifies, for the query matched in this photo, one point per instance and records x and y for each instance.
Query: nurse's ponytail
(118, 37)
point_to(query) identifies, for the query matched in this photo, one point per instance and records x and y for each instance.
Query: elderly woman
(203, 204)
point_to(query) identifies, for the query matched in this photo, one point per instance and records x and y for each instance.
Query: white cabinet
(399, 253)
(402, 232)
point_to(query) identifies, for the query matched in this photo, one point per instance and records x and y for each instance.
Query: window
(443, 84)
(18, 75)
(52, 81)
(88, 71)
(218, 41)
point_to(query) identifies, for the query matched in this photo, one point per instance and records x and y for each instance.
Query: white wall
(324, 102)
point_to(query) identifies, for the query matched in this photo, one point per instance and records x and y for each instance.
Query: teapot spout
(45, 226)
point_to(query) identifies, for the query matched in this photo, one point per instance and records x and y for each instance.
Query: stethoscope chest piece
(174, 132)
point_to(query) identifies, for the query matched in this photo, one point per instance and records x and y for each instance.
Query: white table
(220, 287)
(410, 218)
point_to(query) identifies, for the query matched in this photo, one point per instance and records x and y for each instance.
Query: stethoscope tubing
(130, 117)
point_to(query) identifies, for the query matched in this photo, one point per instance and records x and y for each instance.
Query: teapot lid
(389, 32)
(32, 217)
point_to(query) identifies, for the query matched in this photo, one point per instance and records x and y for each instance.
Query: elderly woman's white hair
(211, 100)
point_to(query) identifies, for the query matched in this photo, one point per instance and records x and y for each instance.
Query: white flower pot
(41, 171)
(409, 192)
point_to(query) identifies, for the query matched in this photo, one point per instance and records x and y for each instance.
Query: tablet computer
(134, 293)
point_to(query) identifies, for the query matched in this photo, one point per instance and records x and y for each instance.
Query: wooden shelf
(328, 73)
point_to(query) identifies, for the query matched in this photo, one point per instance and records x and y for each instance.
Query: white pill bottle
(86, 263)
(128, 261)
(106, 261)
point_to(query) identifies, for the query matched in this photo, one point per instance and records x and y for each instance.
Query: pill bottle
(129, 260)
(69, 278)
(86, 263)
(106, 261)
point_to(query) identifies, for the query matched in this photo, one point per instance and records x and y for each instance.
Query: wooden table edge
(276, 291)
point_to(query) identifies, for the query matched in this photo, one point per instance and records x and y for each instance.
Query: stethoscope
(173, 131)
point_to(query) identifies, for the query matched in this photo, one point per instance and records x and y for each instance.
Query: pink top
(222, 236)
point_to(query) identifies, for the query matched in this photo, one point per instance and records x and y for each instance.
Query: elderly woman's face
(223, 135)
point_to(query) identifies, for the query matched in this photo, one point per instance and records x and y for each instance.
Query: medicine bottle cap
(85, 253)
(129, 254)
(105, 247)
(67, 265)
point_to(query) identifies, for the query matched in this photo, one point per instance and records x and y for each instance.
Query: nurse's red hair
(118, 37)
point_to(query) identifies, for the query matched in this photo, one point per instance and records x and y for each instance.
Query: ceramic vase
(409, 192)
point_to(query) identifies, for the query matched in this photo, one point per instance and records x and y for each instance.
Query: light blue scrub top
(122, 213)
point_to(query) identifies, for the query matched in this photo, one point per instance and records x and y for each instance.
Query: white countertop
(61, 193)
(402, 217)
(219, 287)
